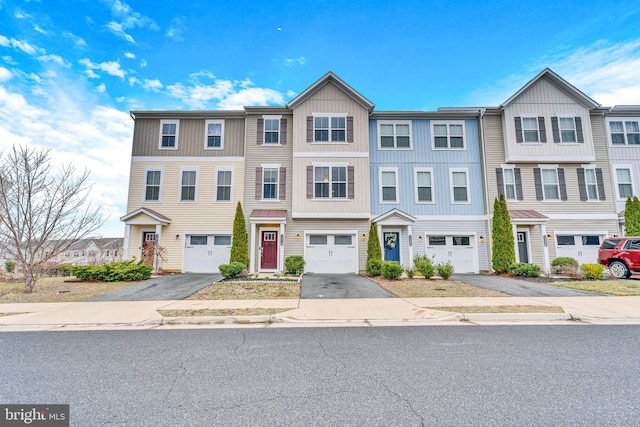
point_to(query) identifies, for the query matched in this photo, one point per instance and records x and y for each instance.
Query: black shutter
(518, 177)
(563, 185)
(283, 131)
(309, 129)
(282, 185)
(500, 180)
(350, 182)
(600, 182)
(543, 130)
(555, 129)
(582, 184)
(309, 182)
(349, 129)
(518, 122)
(258, 183)
(537, 178)
(579, 130)
(260, 138)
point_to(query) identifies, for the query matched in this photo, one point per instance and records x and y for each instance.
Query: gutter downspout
(489, 239)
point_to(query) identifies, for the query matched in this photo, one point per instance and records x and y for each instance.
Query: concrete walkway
(519, 288)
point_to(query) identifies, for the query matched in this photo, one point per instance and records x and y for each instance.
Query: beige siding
(191, 133)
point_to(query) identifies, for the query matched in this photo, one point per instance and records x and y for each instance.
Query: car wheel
(619, 269)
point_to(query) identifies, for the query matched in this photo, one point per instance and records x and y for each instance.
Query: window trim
(176, 135)
(395, 134)
(206, 134)
(448, 123)
(615, 168)
(329, 129)
(417, 170)
(278, 118)
(624, 121)
(330, 166)
(575, 129)
(144, 187)
(381, 171)
(544, 193)
(591, 168)
(216, 184)
(538, 130)
(181, 184)
(451, 186)
(277, 193)
(511, 168)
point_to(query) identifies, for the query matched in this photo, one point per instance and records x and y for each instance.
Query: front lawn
(56, 289)
(428, 288)
(623, 288)
(257, 289)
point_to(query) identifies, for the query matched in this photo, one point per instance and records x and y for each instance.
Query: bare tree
(42, 212)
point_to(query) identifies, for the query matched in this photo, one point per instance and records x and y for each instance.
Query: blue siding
(423, 155)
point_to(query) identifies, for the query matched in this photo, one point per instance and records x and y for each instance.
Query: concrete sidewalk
(309, 312)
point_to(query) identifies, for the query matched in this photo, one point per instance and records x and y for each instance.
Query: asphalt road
(340, 286)
(161, 288)
(404, 376)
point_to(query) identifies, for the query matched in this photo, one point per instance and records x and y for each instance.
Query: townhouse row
(312, 176)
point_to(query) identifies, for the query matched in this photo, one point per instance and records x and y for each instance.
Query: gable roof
(558, 82)
(330, 77)
(161, 219)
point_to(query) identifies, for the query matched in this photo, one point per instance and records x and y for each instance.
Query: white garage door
(204, 253)
(460, 250)
(583, 248)
(331, 253)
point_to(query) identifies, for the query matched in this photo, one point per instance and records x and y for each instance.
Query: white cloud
(79, 41)
(54, 58)
(111, 68)
(129, 55)
(251, 96)
(22, 45)
(126, 18)
(39, 30)
(117, 29)
(143, 63)
(153, 85)
(102, 88)
(176, 29)
(293, 61)
(5, 74)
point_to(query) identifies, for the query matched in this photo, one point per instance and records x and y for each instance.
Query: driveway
(519, 288)
(340, 286)
(170, 287)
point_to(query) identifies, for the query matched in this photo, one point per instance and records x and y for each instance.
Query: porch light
(177, 236)
(364, 236)
(481, 239)
(420, 239)
(549, 237)
(298, 236)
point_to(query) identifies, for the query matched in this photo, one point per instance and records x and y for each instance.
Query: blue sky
(71, 70)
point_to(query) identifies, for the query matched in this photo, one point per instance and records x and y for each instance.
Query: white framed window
(394, 134)
(550, 184)
(188, 185)
(329, 128)
(624, 182)
(152, 185)
(388, 185)
(459, 178)
(567, 126)
(423, 181)
(270, 183)
(509, 182)
(448, 135)
(224, 185)
(271, 129)
(624, 131)
(214, 135)
(530, 130)
(330, 182)
(591, 184)
(169, 130)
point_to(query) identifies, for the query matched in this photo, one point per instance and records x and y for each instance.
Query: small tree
(374, 251)
(239, 243)
(42, 212)
(503, 243)
(632, 217)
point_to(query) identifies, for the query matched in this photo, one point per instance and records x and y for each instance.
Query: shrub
(445, 270)
(125, 271)
(424, 265)
(87, 272)
(239, 241)
(410, 272)
(562, 261)
(524, 269)
(374, 250)
(503, 254)
(232, 269)
(391, 269)
(294, 264)
(9, 266)
(592, 271)
(374, 267)
(570, 271)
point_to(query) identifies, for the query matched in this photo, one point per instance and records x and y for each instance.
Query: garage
(460, 250)
(331, 252)
(582, 247)
(203, 253)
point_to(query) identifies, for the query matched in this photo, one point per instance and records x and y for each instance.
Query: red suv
(621, 255)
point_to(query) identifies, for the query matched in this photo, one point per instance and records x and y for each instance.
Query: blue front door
(391, 242)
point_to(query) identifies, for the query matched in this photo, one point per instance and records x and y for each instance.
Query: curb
(518, 317)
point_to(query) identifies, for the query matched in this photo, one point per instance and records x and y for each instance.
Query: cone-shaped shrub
(503, 243)
(239, 243)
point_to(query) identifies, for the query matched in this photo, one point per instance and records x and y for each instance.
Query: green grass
(623, 288)
(503, 309)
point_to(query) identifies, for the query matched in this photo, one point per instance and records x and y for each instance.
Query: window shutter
(518, 122)
(500, 180)
(349, 129)
(555, 129)
(600, 182)
(260, 139)
(563, 185)
(283, 131)
(542, 129)
(579, 132)
(309, 129)
(537, 178)
(309, 182)
(258, 183)
(350, 182)
(282, 185)
(582, 184)
(518, 178)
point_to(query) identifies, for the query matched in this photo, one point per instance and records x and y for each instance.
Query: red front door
(269, 256)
